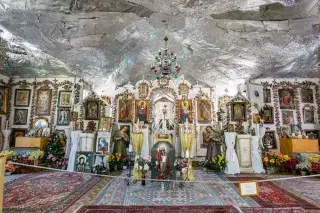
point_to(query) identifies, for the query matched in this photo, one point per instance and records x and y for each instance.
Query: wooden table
(290, 145)
(29, 142)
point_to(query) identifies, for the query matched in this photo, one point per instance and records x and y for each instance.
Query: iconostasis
(165, 106)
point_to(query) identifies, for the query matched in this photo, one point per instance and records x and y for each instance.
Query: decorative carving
(143, 90)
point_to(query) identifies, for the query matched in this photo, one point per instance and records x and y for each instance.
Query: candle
(187, 153)
(7, 124)
(164, 158)
(130, 148)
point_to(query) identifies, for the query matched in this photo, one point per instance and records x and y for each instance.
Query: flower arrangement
(54, 151)
(36, 155)
(219, 162)
(291, 164)
(315, 167)
(116, 159)
(275, 160)
(303, 167)
(9, 154)
(57, 162)
(143, 164)
(313, 158)
(186, 170)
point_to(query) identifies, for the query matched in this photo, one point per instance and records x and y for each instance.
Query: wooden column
(2, 171)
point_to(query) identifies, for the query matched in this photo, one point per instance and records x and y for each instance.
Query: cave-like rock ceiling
(109, 42)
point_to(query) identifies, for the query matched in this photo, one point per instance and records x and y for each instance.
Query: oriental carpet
(46, 192)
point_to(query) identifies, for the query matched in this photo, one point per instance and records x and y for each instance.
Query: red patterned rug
(272, 195)
(46, 192)
(184, 209)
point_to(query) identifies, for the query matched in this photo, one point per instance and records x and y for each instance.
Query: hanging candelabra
(165, 64)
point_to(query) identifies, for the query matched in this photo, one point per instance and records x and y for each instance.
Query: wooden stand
(291, 145)
(28, 142)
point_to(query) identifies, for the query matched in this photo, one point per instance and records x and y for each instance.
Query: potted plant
(290, 165)
(315, 167)
(218, 163)
(269, 161)
(303, 168)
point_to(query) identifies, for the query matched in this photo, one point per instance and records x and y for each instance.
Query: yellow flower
(272, 161)
(265, 159)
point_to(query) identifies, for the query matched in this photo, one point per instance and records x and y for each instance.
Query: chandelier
(165, 64)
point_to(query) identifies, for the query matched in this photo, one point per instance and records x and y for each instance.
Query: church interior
(159, 106)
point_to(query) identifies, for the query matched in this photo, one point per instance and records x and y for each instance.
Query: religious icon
(185, 111)
(204, 110)
(63, 117)
(267, 96)
(20, 117)
(287, 117)
(269, 140)
(3, 100)
(143, 90)
(256, 118)
(162, 163)
(84, 161)
(308, 115)
(268, 115)
(142, 110)
(230, 127)
(163, 81)
(286, 98)
(17, 133)
(103, 144)
(92, 110)
(43, 104)
(105, 124)
(183, 89)
(22, 97)
(307, 96)
(238, 111)
(74, 116)
(125, 110)
(65, 99)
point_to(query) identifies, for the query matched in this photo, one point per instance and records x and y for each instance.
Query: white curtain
(75, 140)
(145, 147)
(257, 165)
(231, 156)
(68, 142)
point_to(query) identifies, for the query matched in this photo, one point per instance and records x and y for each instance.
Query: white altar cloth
(257, 165)
(75, 140)
(231, 156)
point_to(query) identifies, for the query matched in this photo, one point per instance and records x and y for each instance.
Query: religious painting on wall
(17, 133)
(269, 140)
(185, 111)
(267, 96)
(83, 162)
(183, 89)
(256, 118)
(238, 111)
(92, 110)
(286, 98)
(20, 117)
(308, 115)
(103, 144)
(230, 128)
(142, 111)
(3, 100)
(143, 90)
(125, 110)
(127, 133)
(74, 116)
(287, 117)
(268, 115)
(43, 104)
(105, 124)
(204, 110)
(307, 96)
(22, 97)
(63, 117)
(65, 99)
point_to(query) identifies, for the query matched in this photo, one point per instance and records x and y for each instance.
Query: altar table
(29, 142)
(291, 145)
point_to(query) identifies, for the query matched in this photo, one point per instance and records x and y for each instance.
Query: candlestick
(187, 153)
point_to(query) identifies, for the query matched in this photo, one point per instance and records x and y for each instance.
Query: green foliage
(219, 162)
(54, 146)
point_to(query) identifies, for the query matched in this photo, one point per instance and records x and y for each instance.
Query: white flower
(148, 158)
(184, 170)
(146, 167)
(140, 167)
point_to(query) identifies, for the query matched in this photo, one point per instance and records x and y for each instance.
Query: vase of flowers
(141, 167)
(303, 168)
(290, 165)
(218, 163)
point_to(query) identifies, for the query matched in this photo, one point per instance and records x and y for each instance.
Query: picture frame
(65, 99)
(125, 110)
(287, 117)
(3, 100)
(20, 117)
(92, 110)
(16, 133)
(256, 118)
(84, 162)
(204, 111)
(43, 102)
(105, 124)
(185, 111)
(63, 117)
(268, 115)
(183, 89)
(238, 111)
(267, 96)
(307, 95)
(142, 110)
(22, 97)
(286, 98)
(309, 115)
(143, 90)
(248, 188)
(103, 142)
(270, 138)
(73, 116)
